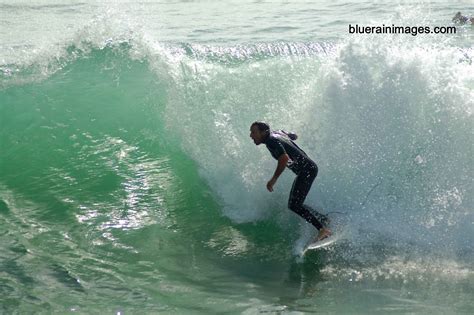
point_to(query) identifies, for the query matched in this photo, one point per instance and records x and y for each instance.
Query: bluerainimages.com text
(412, 30)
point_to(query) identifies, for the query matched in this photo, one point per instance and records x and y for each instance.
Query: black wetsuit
(278, 143)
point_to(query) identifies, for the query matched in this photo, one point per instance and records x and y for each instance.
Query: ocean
(129, 183)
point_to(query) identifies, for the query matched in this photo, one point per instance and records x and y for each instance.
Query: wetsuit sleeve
(275, 148)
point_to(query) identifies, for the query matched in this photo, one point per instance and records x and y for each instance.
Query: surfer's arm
(282, 161)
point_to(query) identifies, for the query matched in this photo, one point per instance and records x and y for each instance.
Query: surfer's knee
(294, 206)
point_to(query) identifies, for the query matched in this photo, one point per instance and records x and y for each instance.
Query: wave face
(128, 177)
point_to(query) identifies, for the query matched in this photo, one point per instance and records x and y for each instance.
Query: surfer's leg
(303, 212)
(299, 191)
(324, 219)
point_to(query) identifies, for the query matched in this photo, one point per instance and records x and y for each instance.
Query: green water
(129, 183)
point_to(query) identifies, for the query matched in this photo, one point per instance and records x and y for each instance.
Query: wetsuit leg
(299, 191)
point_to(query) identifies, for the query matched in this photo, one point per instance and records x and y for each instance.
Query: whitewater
(129, 183)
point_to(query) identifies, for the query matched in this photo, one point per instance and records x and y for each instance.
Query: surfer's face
(257, 135)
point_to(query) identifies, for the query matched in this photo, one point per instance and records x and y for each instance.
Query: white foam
(405, 269)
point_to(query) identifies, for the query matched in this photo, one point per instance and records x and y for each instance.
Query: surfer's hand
(270, 184)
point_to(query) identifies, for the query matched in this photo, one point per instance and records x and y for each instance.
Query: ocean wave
(389, 127)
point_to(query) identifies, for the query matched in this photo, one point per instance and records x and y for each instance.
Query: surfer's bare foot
(323, 233)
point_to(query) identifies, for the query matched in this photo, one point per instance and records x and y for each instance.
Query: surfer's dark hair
(262, 126)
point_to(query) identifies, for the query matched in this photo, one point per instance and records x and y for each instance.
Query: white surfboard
(322, 243)
(337, 227)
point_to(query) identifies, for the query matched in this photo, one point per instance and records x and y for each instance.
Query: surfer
(462, 19)
(283, 148)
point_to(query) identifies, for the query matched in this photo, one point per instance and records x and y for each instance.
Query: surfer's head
(459, 18)
(259, 131)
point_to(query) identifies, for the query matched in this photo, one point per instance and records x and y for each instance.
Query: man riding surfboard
(283, 148)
